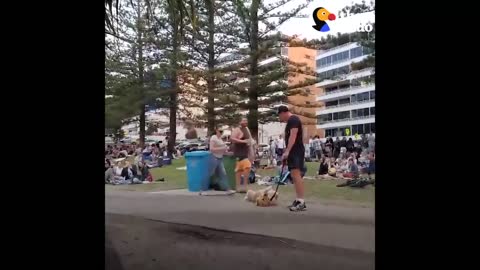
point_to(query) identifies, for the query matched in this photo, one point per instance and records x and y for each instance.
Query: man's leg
(238, 176)
(298, 183)
(247, 167)
(296, 164)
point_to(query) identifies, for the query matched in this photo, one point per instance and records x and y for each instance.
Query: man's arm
(236, 135)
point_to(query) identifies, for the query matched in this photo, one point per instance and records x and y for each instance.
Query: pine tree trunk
(173, 95)
(141, 77)
(211, 66)
(253, 88)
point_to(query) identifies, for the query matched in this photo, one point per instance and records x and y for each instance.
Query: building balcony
(347, 122)
(347, 77)
(348, 107)
(268, 61)
(334, 50)
(343, 63)
(345, 92)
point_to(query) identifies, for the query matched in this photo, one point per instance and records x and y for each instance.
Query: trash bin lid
(197, 154)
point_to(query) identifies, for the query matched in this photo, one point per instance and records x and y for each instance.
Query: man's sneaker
(297, 206)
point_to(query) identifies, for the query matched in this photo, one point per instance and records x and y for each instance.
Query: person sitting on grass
(145, 174)
(109, 175)
(113, 175)
(343, 165)
(138, 158)
(353, 171)
(323, 170)
(117, 169)
(353, 156)
(371, 164)
(129, 173)
(332, 170)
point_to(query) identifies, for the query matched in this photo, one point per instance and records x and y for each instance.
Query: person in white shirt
(218, 148)
(117, 170)
(311, 147)
(280, 146)
(317, 147)
(273, 156)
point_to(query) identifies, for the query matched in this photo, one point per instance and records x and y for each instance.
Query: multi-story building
(349, 96)
(298, 55)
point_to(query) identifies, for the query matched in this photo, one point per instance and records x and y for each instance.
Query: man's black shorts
(296, 161)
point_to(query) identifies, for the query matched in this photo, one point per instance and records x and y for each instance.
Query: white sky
(303, 26)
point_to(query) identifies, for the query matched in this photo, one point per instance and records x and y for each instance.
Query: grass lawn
(324, 191)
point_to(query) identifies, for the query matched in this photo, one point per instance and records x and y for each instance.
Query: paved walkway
(335, 226)
(133, 243)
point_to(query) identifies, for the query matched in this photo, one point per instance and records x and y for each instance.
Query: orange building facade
(299, 104)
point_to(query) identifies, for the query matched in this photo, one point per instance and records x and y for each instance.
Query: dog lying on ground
(264, 201)
(260, 197)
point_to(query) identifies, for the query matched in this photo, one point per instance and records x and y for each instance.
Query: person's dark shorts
(371, 168)
(296, 161)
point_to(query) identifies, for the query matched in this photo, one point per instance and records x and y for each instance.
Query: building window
(344, 101)
(330, 89)
(363, 128)
(366, 111)
(341, 115)
(355, 82)
(353, 98)
(372, 111)
(334, 58)
(355, 52)
(367, 129)
(324, 118)
(361, 112)
(334, 72)
(363, 96)
(329, 132)
(372, 95)
(331, 103)
(360, 129)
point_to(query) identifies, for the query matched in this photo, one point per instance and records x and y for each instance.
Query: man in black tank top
(294, 154)
(241, 141)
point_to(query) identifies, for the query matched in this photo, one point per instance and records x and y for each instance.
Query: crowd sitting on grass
(120, 171)
(347, 159)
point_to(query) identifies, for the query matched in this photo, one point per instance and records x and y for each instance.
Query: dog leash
(280, 180)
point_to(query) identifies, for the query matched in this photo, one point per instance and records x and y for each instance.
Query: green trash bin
(229, 163)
